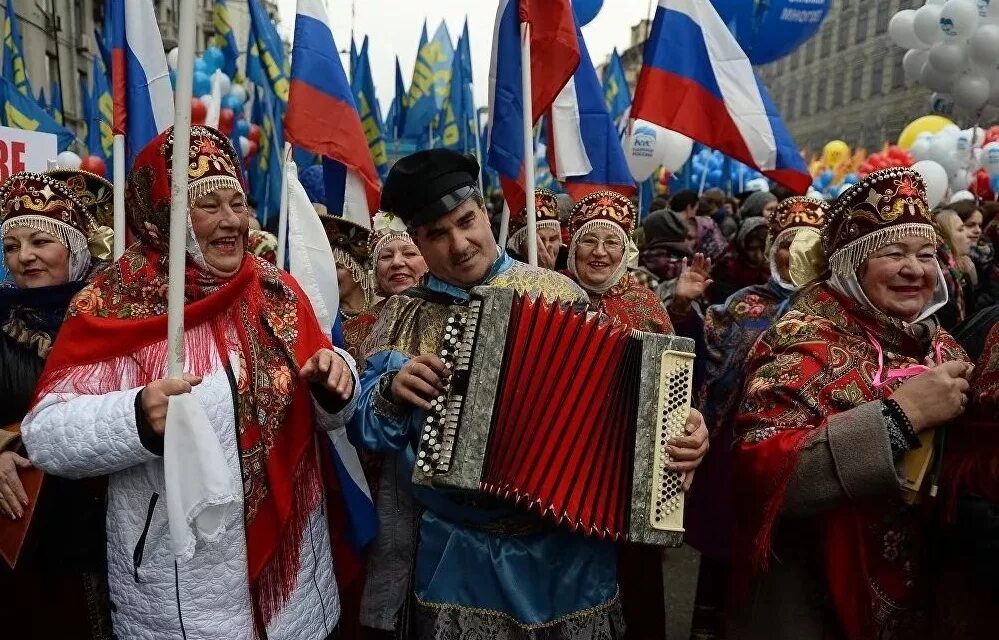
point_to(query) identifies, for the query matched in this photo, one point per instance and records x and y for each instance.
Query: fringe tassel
(200, 188)
(347, 261)
(67, 235)
(520, 236)
(848, 259)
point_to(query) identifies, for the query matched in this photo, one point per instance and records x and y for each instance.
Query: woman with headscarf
(352, 253)
(730, 330)
(265, 378)
(601, 224)
(760, 204)
(744, 263)
(838, 393)
(959, 270)
(47, 231)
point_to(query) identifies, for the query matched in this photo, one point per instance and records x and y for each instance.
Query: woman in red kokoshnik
(838, 392)
(267, 378)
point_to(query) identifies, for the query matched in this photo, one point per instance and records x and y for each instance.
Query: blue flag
(430, 85)
(22, 112)
(397, 111)
(55, 107)
(353, 58)
(265, 170)
(225, 37)
(464, 52)
(272, 66)
(14, 69)
(42, 102)
(100, 134)
(83, 131)
(363, 88)
(458, 116)
(616, 92)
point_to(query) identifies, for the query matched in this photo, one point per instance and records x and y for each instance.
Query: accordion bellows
(563, 412)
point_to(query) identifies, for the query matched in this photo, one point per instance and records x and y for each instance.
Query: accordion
(563, 412)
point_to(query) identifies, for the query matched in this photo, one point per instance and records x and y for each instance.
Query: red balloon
(992, 135)
(227, 118)
(198, 111)
(255, 133)
(94, 164)
(981, 186)
(252, 151)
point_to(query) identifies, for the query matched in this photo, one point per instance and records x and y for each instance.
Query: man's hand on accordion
(419, 381)
(688, 451)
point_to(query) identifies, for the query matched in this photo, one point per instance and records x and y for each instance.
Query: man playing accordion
(480, 566)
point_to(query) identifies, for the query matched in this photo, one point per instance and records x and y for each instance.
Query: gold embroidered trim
(440, 606)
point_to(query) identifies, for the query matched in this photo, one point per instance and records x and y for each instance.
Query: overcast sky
(393, 27)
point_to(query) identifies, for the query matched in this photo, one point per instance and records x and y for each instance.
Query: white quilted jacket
(152, 598)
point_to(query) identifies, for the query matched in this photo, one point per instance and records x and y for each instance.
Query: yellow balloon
(926, 124)
(834, 153)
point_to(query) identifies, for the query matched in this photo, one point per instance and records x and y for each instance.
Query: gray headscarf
(753, 206)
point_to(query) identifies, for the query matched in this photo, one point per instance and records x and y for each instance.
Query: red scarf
(115, 331)
(816, 362)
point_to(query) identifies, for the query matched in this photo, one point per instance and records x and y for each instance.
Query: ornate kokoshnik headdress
(349, 242)
(547, 217)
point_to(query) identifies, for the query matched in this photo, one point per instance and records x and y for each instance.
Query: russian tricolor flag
(143, 95)
(698, 81)
(554, 58)
(323, 118)
(584, 150)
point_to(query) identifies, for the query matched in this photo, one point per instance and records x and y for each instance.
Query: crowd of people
(846, 380)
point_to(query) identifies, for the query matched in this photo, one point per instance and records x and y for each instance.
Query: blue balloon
(994, 183)
(586, 10)
(850, 178)
(768, 31)
(214, 58)
(241, 128)
(232, 102)
(202, 83)
(715, 177)
(200, 66)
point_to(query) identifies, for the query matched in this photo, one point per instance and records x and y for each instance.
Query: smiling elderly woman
(263, 371)
(838, 391)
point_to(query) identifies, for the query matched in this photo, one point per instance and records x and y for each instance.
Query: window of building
(877, 75)
(863, 16)
(794, 59)
(792, 103)
(806, 98)
(883, 16)
(837, 89)
(857, 82)
(826, 48)
(843, 28)
(821, 96)
(810, 51)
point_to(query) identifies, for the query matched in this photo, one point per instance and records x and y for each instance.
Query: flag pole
(283, 215)
(118, 176)
(478, 151)
(525, 77)
(504, 229)
(178, 200)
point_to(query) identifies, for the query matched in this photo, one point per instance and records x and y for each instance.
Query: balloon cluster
(707, 167)
(893, 156)
(833, 173)
(93, 164)
(212, 84)
(953, 50)
(947, 158)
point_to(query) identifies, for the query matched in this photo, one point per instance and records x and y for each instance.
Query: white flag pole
(283, 216)
(118, 176)
(525, 77)
(504, 229)
(478, 152)
(178, 201)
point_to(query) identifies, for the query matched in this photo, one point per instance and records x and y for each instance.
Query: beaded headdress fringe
(849, 258)
(520, 235)
(200, 188)
(67, 235)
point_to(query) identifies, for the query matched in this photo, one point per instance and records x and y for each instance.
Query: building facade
(59, 45)
(847, 82)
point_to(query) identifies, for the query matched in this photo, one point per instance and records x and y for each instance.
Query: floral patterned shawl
(633, 304)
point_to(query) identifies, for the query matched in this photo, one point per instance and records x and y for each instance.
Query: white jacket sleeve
(82, 436)
(331, 421)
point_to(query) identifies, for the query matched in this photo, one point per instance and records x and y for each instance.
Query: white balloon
(68, 160)
(225, 84)
(926, 24)
(172, 57)
(959, 18)
(936, 80)
(990, 158)
(674, 150)
(239, 91)
(983, 48)
(920, 149)
(641, 149)
(912, 64)
(244, 145)
(943, 151)
(949, 57)
(951, 131)
(961, 195)
(971, 92)
(992, 10)
(942, 103)
(960, 180)
(206, 99)
(902, 31)
(935, 177)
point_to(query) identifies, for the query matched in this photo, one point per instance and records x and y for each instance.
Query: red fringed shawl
(634, 305)
(818, 361)
(115, 337)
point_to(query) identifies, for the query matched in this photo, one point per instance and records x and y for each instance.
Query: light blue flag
(14, 69)
(265, 170)
(55, 107)
(353, 59)
(269, 65)
(431, 84)
(397, 112)
(363, 88)
(42, 102)
(22, 112)
(100, 135)
(458, 115)
(225, 37)
(617, 95)
(83, 131)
